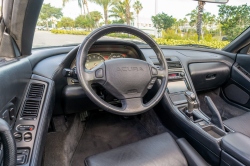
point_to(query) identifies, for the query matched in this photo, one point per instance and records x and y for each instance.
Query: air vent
(172, 65)
(36, 91)
(31, 108)
(33, 101)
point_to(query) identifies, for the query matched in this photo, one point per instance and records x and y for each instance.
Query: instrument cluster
(95, 59)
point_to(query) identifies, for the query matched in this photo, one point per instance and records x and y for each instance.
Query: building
(144, 24)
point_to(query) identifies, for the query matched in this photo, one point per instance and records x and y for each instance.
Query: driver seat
(159, 150)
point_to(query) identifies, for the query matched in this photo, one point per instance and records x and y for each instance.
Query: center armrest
(238, 146)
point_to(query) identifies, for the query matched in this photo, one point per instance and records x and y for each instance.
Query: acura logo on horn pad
(129, 69)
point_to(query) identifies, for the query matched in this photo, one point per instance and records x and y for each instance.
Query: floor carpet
(105, 131)
(226, 110)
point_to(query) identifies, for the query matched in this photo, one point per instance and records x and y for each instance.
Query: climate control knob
(182, 74)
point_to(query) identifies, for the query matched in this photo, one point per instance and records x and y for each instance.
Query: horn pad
(127, 78)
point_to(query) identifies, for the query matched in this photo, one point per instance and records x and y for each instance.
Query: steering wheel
(8, 152)
(126, 79)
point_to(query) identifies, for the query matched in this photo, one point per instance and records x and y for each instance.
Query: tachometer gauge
(114, 56)
(93, 60)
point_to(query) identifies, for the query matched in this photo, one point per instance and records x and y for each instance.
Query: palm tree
(80, 5)
(96, 16)
(84, 9)
(105, 4)
(119, 11)
(64, 1)
(86, 3)
(127, 5)
(137, 7)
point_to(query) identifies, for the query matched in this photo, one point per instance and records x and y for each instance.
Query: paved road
(47, 39)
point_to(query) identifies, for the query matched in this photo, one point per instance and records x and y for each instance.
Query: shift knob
(191, 101)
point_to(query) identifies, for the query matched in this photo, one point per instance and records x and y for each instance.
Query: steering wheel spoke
(158, 73)
(96, 75)
(132, 105)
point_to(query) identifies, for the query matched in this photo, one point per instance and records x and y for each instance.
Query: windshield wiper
(197, 45)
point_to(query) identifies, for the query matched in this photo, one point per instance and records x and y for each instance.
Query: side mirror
(214, 1)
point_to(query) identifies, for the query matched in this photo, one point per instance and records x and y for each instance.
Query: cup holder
(214, 131)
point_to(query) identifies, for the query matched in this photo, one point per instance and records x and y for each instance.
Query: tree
(234, 19)
(118, 21)
(85, 22)
(48, 11)
(207, 18)
(66, 22)
(137, 7)
(96, 16)
(193, 17)
(86, 4)
(118, 11)
(105, 4)
(162, 21)
(127, 6)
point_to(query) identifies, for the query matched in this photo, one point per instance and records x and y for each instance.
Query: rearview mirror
(214, 1)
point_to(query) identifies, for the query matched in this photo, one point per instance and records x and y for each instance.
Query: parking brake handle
(216, 118)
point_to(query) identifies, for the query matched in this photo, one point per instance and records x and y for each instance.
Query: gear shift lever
(191, 101)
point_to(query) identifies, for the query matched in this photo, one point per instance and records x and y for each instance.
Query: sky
(177, 8)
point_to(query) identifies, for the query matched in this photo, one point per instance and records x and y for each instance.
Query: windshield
(170, 22)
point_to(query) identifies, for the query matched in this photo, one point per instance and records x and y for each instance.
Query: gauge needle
(95, 64)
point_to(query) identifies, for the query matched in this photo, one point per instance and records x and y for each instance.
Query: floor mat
(105, 131)
(226, 110)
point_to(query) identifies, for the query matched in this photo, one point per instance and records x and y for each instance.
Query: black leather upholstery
(160, 150)
(240, 123)
(238, 146)
(192, 156)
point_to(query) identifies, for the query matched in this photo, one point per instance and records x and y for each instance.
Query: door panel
(238, 88)
(14, 78)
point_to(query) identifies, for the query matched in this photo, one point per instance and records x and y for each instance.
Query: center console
(181, 106)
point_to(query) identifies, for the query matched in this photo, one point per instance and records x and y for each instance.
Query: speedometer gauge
(114, 56)
(93, 60)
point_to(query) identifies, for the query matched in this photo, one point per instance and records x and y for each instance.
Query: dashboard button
(153, 81)
(99, 73)
(154, 71)
(150, 86)
(27, 137)
(20, 159)
(18, 137)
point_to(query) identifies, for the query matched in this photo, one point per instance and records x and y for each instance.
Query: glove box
(208, 75)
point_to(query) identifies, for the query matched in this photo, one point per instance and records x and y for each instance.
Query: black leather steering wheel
(9, 152)
(126, 79)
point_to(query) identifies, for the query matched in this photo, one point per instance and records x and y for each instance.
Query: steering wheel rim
(109, 73)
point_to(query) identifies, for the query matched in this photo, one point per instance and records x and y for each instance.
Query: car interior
(110, 102)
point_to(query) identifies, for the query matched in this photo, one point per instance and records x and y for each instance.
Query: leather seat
(240, 123)
(160, 150)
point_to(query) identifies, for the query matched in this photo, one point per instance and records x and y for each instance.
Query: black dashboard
(179, 59)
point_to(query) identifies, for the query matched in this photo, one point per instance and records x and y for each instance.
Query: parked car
(40, 27)
(62, 28)
(224, 39)
(80, 29)
(45, 28)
